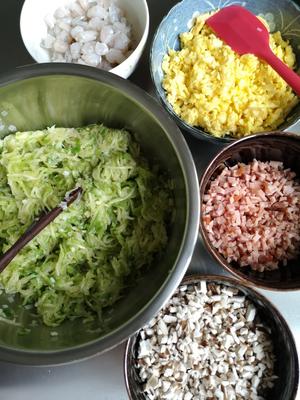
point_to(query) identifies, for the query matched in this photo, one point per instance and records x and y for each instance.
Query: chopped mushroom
(207, 343)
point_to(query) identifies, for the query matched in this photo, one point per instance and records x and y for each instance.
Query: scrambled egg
(212, 87)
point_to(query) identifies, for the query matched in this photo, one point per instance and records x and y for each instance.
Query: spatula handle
(37, 227)
(291, 78)
(31, 233)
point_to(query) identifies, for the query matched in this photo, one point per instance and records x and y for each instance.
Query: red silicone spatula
(245, 33)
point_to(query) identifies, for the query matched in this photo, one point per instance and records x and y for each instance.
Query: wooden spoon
(37, 227)
(245, 33)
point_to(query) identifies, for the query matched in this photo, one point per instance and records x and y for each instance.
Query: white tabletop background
(101, 377)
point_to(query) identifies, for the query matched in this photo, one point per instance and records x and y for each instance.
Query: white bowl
(33, 29)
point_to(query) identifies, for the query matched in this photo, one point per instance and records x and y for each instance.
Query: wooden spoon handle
(37, 227)
(286, 73)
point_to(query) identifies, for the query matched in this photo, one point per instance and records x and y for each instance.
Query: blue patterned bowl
(282, 15)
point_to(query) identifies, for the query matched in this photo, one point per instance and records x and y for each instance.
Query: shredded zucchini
(81, 262)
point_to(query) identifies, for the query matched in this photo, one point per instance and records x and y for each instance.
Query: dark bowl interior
(275, 146)
(286, 366)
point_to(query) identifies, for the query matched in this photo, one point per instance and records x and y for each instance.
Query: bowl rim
(137, 52)
(232, 281)
(197, 132)
(238, 273)
(188, 241)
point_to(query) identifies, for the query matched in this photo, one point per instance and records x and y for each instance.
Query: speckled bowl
(286, 367)
(282, 15)
(277, 146)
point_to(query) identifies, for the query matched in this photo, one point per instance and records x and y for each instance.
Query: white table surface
(101, 377)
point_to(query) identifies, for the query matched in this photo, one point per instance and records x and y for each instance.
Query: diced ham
(252, 212)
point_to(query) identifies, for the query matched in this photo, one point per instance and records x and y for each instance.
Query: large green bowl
(70, 96)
